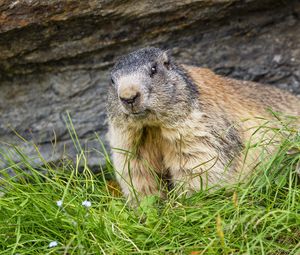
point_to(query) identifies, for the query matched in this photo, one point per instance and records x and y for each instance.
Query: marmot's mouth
(140, 114)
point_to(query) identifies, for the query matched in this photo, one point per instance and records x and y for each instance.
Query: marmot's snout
(131, 97)
(131, 101)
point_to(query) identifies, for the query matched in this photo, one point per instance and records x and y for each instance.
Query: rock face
(55, 58)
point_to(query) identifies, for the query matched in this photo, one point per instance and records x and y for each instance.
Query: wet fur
(197, 140)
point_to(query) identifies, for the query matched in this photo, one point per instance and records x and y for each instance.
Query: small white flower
(59, 203)
(87, 203)
(74, 223)
(53, 244)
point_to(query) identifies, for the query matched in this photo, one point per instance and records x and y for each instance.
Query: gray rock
(55, 58)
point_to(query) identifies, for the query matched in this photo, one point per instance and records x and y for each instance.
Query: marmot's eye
(153, 70)
(112, 81)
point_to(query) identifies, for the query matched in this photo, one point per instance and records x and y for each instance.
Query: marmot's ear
(166, 59)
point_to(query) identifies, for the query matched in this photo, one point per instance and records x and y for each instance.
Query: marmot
(184, 122)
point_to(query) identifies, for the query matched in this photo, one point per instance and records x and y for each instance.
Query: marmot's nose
(131, 100)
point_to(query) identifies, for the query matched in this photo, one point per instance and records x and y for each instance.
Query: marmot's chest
(188, 150)
(184, 150)
(178, 149)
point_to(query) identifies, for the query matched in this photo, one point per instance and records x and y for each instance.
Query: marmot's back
(242, 97)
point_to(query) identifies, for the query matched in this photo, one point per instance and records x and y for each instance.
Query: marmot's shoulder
(214, 89)
(207, 81)
(201, 74)
(233, 93)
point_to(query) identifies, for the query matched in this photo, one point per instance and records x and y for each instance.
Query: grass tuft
(61, 210)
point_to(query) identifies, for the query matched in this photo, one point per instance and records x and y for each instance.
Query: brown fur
(203, 145)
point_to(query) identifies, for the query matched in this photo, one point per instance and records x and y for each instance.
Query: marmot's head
(148, 83)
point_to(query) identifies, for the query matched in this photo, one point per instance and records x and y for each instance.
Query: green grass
(261, 216)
